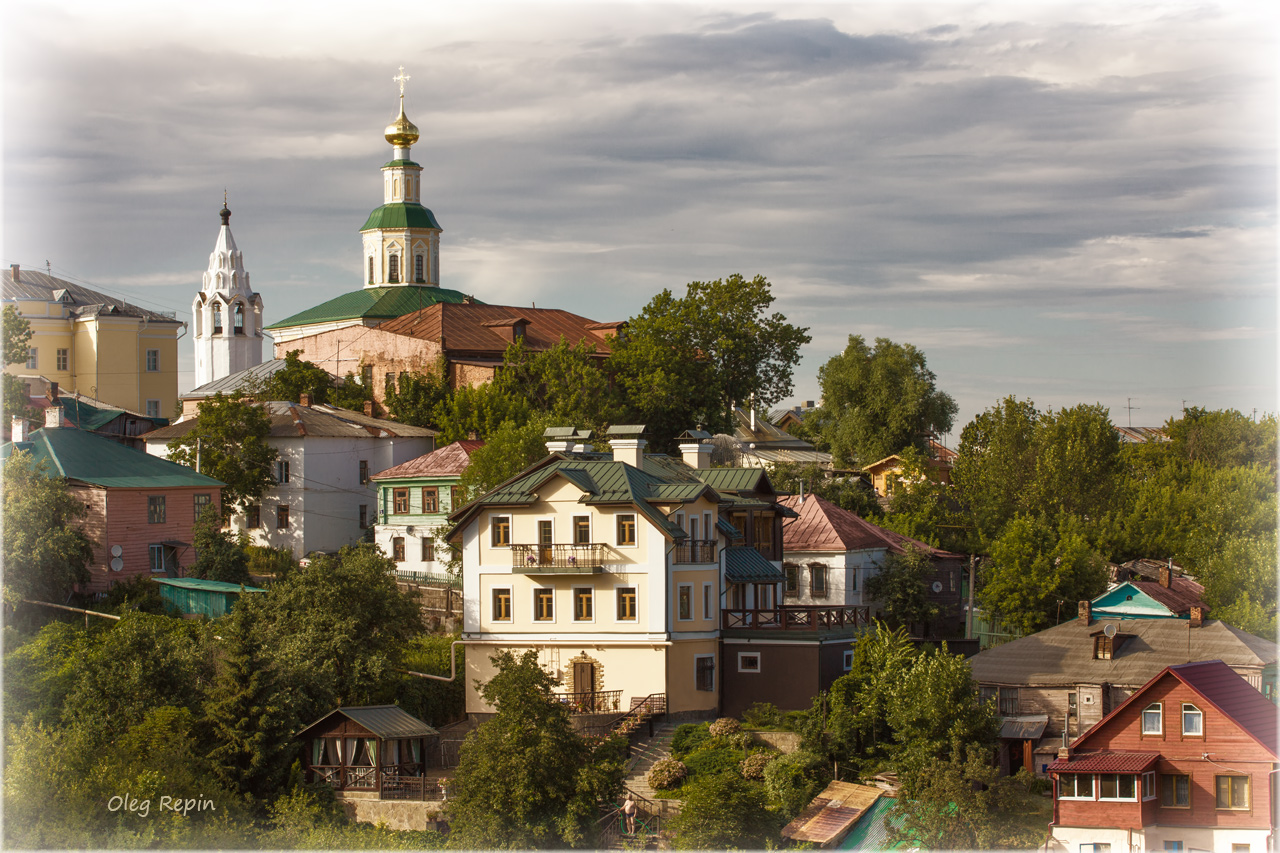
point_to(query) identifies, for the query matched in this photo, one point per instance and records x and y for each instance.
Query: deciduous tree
(220, 555)
(15, 333)
(45, 552)
(901, 587)
(229, 443)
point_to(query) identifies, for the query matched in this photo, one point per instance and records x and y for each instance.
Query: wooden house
(377, 751)
(1185, 763)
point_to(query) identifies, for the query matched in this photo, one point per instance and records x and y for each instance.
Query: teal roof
(92, 418)
(744, 564)
(401, 214)
(373, 303)
(870, 832)
(733, 479)
(205, 585)
(79, 455)
(727, 528)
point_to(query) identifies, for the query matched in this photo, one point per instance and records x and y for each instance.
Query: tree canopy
(15, 334)
(45, 551)
(878, 400)
(229, 443)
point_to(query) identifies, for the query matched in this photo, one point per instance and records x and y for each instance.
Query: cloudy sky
(1071, 203)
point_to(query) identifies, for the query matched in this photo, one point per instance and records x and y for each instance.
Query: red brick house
(140, 508)
(1185, 763)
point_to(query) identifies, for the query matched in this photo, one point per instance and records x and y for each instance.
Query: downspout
(453, 664)
(137, 350)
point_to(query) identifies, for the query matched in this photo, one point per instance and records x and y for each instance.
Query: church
(399, 321)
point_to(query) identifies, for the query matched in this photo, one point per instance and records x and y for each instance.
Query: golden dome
(402, 133)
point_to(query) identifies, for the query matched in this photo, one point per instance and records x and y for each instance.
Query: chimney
(53, 417)
(559, 439)
(629, 450)
(19, 429)
(368, 408)
(14, 270)
(52, 394)
(1086, 612)
(696, 455)
(1197, 612)
(304, 400)
(1166, 577)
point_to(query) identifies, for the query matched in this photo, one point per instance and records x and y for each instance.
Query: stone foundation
(395, 814)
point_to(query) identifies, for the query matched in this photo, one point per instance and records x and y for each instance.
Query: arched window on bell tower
(371, 269)
(417, 268)
(239, 318)
(393, 269)
(217, 318)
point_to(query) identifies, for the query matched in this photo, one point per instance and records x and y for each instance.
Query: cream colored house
(95, 344)
(618, 570)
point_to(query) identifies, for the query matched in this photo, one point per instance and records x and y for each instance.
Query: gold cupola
(402, 133)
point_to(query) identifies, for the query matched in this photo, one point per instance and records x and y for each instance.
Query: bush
(667, 774)
(791, 781)
(688, 738)
(740, 740)
(753, 766)
(762, 715)
(724, 727)
(264, 560)
(710, 762)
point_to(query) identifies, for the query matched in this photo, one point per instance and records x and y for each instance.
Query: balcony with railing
(695, 551)
(558, 559)
(798, 618)
(592, 701)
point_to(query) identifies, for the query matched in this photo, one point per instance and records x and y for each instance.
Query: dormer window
(1153, 719)
(393, 269)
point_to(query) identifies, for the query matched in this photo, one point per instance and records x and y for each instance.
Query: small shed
(370, 748)
(832, 814)
(198, 597)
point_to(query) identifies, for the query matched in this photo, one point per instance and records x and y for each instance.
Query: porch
(378, 752)
(794, 617)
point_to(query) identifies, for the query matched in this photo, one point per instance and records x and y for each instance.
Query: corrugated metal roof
(206, 585)
(372, 303)
(1064, 654)
(290, 420)
(80, 300)
(1030, 727)
(385, 721)
(744, 564)
(1106, 761)
(1234, 697)
(448, 461)
(832, 813)
(823, 526)
(235, 381)
(89, 458)
(871, 834)
(735, 479)
(725, 527)
(468, 328)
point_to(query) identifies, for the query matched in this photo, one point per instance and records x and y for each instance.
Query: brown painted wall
(789, 677)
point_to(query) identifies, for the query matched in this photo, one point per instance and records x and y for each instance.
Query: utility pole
(1130, 407)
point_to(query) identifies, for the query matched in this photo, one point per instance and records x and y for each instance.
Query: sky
(1069, 203)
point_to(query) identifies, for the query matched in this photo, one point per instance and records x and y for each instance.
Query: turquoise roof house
(1172, 596)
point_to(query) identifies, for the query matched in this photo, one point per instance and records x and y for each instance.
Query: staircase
(644, 754)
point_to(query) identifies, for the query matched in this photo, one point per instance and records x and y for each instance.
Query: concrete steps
(644, 754)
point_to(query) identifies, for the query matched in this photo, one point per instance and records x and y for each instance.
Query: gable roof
(823, 526)
(89, 458)
(1063, 654)
(1178, 598)
(293, 420)
(80, 300)
(1218, 685)
(385, 721)
(448, 461)
(233, 382)
(479, 328)
(372, 303)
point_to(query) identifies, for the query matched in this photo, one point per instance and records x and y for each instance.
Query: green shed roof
(401, 214)
(373, 303)
(206, 585)
(79, 455)
(744, 564)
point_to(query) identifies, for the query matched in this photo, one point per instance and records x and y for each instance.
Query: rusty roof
(480, 328)
(1179, 597)
(832, 813)
(1106, 761)
(823, 526)
(448, 461)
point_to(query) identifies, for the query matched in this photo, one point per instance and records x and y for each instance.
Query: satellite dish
(1109, 629)
(116, 564)
(937, 586)
(116, 550)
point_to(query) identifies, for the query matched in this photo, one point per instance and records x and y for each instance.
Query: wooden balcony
(558, 559)
(799, 618)
(695, 551)
(592, 702)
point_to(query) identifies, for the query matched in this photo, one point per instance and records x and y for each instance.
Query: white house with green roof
(414, 501)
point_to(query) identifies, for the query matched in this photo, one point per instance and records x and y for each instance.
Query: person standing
(629, 812)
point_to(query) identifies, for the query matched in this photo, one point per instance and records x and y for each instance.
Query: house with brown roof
(829, 554)
(1171, 596)
(1185, 763)
(471, 338)
(1069, 677)
(324, 496)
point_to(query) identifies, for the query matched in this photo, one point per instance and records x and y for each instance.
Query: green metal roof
(732, 479)
(727, 528)
(390, 164)
(743, 564)
(92, 418)
(401, 214)
(205, 585)
(373, 303)
(79, 455)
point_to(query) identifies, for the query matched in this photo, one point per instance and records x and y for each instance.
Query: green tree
(416, 397)
(927, 509)
(45, 552)
(684, 362)
(723, 811)
(521, 772)
(996, 464)
(251, 727)
(933, 712)
(1223, 438)
(15, 332)
(39, 674)
(565, 383)
(220, 555)
(848, 493)
(901, 587)
(878, 400)
(229, 443)
(507, 452)
(296, 378)
(350, 394)
(478, 411)
(792, 781)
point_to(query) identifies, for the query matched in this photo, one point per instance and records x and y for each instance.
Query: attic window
(1102, 647)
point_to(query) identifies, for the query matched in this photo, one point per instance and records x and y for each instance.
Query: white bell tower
(228, 314)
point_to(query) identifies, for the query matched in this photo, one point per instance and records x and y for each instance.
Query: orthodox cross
(400, 78)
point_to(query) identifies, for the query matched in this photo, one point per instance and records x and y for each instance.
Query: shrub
(762, 715)
(710, 762)
(264, 560)
(753, 766)
(689, 737)
(667, 774)
(740, 740)
(791, 781)
(724, 727)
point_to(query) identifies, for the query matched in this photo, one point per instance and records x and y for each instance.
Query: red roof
(1106, 762)
(823, 526)
(1179, 597)
(448, 461)
(481, 328)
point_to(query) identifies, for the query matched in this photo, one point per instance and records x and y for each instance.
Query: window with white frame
(33, 358)
(1096, 847)
(684, 602)
(282, 471)
(847, 660)
(1153, 719)
(1192, 721)
(748, 661)
(1075, 786)
(1149, 785)
(153, 360)
(1117, 786)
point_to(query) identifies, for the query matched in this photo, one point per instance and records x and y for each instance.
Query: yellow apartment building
(96, 344)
